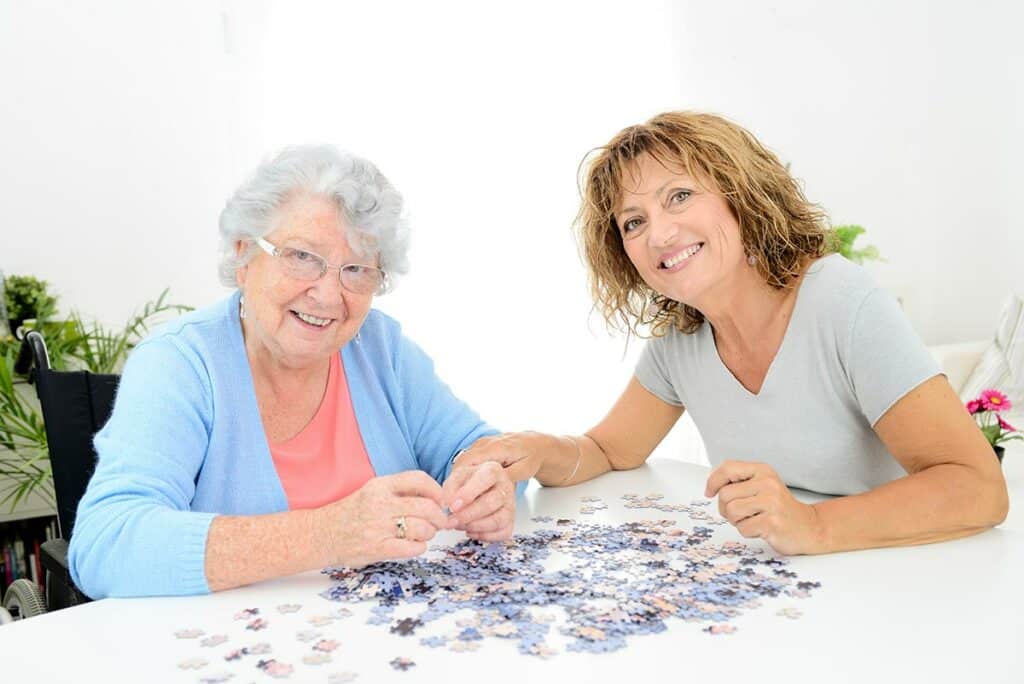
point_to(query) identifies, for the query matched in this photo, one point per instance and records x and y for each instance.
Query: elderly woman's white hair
(371, 206)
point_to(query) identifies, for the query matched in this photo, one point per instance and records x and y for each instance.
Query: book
(20, 559)
(39, 567)
(10, 572)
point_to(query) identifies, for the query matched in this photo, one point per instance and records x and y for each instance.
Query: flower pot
(999, 452)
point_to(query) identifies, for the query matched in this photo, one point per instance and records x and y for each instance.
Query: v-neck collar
(724, 369)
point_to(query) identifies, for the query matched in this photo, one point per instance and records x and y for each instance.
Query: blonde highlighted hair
(779, 227)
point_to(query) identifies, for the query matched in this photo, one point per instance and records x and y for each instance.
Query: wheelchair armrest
(53, 555)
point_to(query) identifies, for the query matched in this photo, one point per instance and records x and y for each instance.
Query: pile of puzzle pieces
(622, 581)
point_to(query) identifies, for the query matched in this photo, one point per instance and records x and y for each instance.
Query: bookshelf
(22, 531)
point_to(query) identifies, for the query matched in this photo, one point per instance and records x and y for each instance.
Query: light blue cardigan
(185, 442)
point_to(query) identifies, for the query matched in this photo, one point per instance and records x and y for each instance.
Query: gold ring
(400, 527)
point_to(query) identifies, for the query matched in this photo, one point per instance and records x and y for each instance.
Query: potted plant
(25, 298)
(986, 409)
(74, 344)
(843, 239)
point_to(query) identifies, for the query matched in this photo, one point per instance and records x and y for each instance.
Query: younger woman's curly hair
(779, 227)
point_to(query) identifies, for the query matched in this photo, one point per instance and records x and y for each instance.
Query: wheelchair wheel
(24, 600)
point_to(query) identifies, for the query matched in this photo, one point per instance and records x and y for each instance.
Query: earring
(241, 307)
(751, 259)
(653, 308)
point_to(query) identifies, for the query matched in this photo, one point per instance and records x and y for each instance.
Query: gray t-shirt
(848, 355)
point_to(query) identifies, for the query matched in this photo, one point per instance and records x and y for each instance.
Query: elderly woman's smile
(312, 320)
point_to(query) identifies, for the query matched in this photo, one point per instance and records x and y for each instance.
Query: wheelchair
(75, 405)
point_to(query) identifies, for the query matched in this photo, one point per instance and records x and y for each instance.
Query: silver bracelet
(579, 458)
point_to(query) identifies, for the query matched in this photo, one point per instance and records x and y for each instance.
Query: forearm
(242, 550)
(942, 502)
(569, 461)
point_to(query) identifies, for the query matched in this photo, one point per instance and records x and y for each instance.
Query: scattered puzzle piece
(275, 669)
(320, 620)
(341, 677)
(214, 640)
(218, 678)
(316, 658)
(402, 664)
(406, 626)
(189, 633)
(193, 664)
(326, 645)
(257, 624)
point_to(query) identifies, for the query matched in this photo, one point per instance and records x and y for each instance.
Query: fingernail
(456, 505)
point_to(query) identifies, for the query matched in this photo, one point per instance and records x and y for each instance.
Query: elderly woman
(797, 369)
(289, 426)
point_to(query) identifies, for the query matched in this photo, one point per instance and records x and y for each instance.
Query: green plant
(24, 459)
(28, 297)
(74, 344)
(845, 236)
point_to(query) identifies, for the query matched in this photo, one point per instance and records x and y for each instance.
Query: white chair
(957, 361)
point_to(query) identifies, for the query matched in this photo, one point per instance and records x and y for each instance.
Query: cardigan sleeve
(134, 533)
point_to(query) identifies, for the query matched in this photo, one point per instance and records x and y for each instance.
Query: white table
(949, 612)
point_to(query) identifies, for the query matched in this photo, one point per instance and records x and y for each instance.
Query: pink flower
(1006, 426)
(994, 400)
(973, 406)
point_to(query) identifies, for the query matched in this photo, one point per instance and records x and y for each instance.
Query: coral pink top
(327, 460)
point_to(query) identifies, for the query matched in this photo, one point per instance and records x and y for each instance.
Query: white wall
(904, 117)
(119, 138)
(124, 125)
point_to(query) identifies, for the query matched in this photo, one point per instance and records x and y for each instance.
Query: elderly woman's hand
(482, 501)
(757, 502)
(389, 517)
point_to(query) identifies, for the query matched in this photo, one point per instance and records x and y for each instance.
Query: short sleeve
(886, 358)
(652, 371)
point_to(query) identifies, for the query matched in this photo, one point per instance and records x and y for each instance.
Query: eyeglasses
(356, 278)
